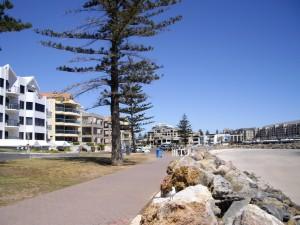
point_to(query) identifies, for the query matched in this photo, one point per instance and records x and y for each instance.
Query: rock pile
(201, 189)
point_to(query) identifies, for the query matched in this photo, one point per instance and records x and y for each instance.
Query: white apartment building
(22, 110)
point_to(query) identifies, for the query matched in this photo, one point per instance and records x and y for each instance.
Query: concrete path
(279, 167)
(110, 200)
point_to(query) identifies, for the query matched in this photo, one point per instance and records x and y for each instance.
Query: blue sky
(228, 64)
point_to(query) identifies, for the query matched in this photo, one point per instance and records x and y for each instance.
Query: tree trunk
(133, 138)
(116, 154)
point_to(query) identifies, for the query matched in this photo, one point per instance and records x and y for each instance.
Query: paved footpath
(109, 200)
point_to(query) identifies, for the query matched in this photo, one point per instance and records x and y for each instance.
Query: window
(21, 104)
(1, 100)
(28, 120)
(21, 135)
(7, 84)
(1, 117)
(21, 120)
(28, 136)
(39, 107)
(1, 82)
(39, 136)
(1, 133)
(29, 105)
(39, 122)
(22, 89)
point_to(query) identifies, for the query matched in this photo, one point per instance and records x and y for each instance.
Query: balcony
(12, 137)
(67, 132)
(49, 114)
(13, 106)
(12, 90)
(62, 120)
(62, 109)
(12, 123)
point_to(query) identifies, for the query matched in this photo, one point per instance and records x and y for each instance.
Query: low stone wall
(201, 189)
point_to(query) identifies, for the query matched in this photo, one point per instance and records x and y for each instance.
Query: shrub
(90, 143)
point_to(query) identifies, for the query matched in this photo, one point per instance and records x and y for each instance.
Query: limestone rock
(198, 155)
(225, 168)
(208, 164)
(185, 176)
(220, 187)
(239, 181)
(234, 211)
(166, 185)
(253, 215)
(136, 220)
(171, 166)
(184, 161)
(193, 205)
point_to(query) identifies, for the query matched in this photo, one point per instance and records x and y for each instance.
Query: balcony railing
(12, 137)
(62, 109)
(13, 123)
(12, 106)
(87, 122)
(67, 132)
(49, 114)
(13, 90)
(62, 120)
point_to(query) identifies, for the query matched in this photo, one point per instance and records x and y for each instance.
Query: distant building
(163, 134)
(92, 128)
(249, 134)
(197, 138)
(22, 110)
(107, 131)
(286, 131)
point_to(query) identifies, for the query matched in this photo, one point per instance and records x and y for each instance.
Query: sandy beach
(278, 167)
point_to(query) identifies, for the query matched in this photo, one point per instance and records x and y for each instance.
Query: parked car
(166, 147)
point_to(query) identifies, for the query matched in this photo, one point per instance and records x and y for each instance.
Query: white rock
(194, 205)
(136, 220)
(253, 215)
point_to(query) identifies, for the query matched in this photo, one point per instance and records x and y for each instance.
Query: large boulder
(184, 161)
(209, 164)
(186, 176)
(198, 155)
(220, 187)
(193, 205)
(253, 215)
(240, 182)
(166, 186)
(225, 168)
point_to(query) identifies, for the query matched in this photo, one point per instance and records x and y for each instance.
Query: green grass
(25, 178)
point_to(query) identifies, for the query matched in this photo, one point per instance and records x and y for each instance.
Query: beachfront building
(197, 138)
(22, 110)
(249, 134)
(286, 131)
(107, 132)
(92, 128)
(64, 114)
(163, 134)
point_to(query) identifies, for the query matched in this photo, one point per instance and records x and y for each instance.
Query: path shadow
(100, 160)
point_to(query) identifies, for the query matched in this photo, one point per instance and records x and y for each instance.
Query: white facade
(22, 110)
